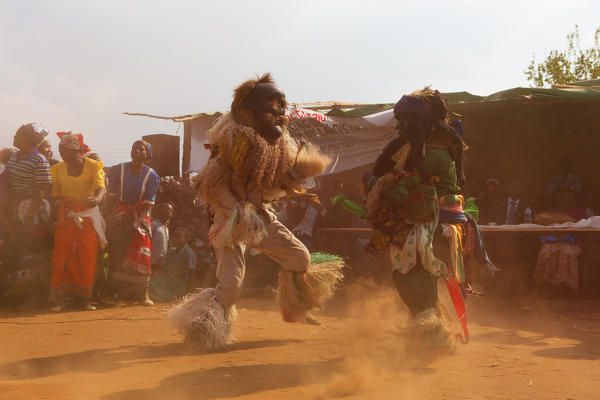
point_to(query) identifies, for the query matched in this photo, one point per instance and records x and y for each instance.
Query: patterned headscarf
(427, 102)
(432, 105)
(147, 145)
(414, 105)
(72, 141)
(91, 154)
(34, 132)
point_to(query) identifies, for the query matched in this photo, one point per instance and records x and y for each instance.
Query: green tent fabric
(546, 94)
(593, 82)
(368, 109)
(466, 99)
(462, 97)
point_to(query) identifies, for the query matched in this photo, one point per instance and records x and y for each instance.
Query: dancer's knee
(228, 295)
(299, 261)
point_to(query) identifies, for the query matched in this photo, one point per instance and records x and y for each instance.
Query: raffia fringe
(203, 320)
(429, 331)
(245, 225)
(297, 296)
(311, 162)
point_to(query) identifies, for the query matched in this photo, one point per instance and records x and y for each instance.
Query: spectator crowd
(552, 260)
(75, 232)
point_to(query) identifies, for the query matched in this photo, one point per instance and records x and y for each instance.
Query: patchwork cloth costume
(414, 204)
(253, 162)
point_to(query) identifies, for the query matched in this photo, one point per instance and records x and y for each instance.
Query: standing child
(172, 281)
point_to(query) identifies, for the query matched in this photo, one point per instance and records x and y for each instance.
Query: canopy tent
(516, 133)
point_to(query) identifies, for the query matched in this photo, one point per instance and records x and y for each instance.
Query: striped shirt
(24, 174)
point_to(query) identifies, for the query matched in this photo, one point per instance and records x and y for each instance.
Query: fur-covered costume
(415, 207)
(253, 162)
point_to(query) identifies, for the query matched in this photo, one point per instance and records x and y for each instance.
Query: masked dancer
(415, 206)
(253, 162)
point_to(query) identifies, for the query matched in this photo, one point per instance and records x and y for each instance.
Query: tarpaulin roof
(368, 109)
(545, 94)
(464, 100)
(593, 82)
(576, 91)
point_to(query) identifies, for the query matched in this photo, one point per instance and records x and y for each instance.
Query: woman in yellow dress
(78, 187)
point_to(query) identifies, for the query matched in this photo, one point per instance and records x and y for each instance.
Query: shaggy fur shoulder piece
(252, 168)
(226, 128)
(213, 179)
(249, 159)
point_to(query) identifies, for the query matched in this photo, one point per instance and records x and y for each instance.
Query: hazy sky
(77, 65)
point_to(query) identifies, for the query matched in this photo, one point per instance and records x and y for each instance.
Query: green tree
(565, 66)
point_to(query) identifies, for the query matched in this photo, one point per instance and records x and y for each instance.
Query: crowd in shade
(77, 233)
(552, 261)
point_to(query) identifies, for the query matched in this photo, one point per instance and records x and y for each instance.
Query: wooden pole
(187, 151)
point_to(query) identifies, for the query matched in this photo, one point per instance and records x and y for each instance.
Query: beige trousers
(279, 244)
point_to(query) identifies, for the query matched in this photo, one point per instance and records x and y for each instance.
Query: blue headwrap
(147, 145)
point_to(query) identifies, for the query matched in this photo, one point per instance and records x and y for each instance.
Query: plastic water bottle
(528, 216)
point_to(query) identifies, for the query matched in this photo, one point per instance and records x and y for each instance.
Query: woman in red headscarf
(78, 187)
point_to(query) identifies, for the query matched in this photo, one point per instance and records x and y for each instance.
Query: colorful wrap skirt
(75, 255)
(406, 199)
(26, 266)
(129, 249)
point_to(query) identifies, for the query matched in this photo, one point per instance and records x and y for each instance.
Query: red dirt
(530, 349)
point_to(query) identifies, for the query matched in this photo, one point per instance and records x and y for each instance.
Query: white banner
(350, 142)
(199, 126)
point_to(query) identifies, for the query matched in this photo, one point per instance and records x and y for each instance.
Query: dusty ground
(529, 349)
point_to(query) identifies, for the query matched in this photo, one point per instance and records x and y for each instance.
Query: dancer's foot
(120, 302)
(206, 323)
(309, 319)
(147, 302)
(86, 304)
(429, 335)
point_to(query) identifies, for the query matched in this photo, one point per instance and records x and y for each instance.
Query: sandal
(58, 307)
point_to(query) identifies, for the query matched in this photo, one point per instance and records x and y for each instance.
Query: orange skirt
(75, 253)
